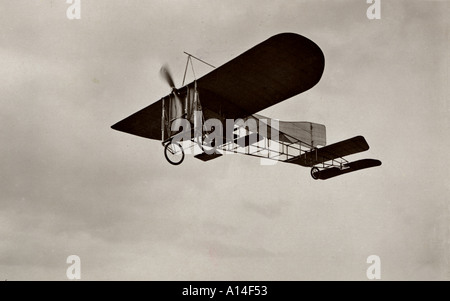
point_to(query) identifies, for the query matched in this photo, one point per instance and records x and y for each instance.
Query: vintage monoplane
(279, 68)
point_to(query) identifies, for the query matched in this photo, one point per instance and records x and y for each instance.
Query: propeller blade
(167, 76)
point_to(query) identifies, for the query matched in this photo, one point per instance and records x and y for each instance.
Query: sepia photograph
(252, 140)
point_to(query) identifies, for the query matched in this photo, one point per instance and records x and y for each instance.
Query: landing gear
(174, 153)
(315, 173)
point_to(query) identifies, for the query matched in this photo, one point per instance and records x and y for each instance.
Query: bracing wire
(189, 60)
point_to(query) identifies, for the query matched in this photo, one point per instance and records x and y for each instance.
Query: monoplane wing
(280, 67)
(144, 123)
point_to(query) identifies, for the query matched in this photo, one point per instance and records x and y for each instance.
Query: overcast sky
(70, 185)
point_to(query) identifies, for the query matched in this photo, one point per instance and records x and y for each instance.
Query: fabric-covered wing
(333, 151)
(144, 123)
(281, 67)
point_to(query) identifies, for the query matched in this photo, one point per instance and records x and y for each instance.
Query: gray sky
(71, 185)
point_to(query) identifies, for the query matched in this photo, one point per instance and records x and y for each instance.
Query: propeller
(167, 76)
(176, 106)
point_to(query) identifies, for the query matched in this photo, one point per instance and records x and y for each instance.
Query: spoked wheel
(174, 153)
(315, 173)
